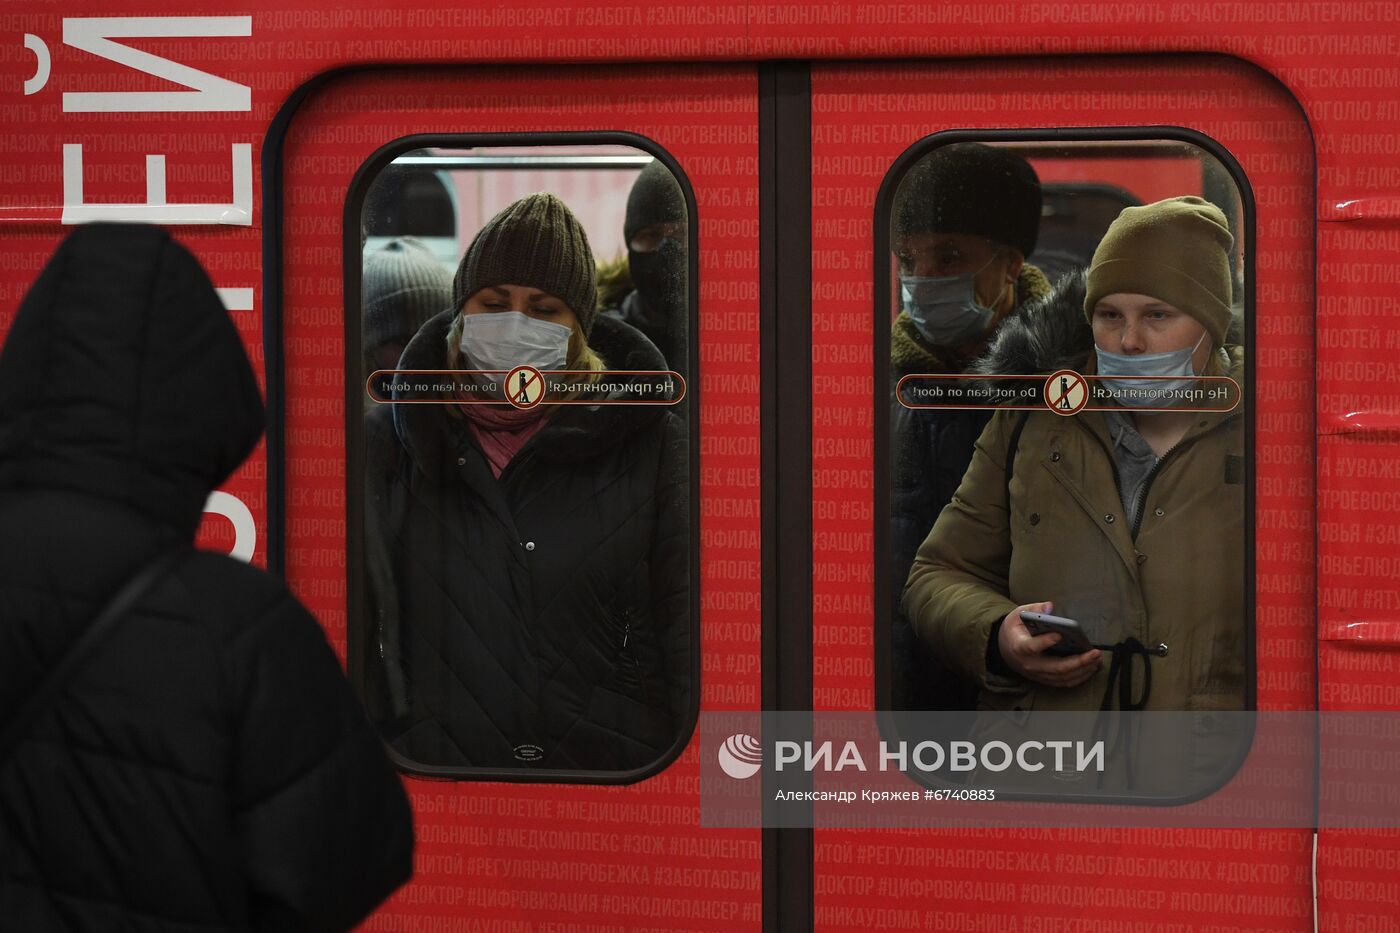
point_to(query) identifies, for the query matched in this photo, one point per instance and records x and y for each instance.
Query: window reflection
(1104, 508)
(527, 546)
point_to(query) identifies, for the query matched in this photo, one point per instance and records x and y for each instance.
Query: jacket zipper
(1146, 487)
(628, 669)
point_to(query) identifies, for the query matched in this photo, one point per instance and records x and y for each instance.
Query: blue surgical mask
(945, 308)
(1147, 393)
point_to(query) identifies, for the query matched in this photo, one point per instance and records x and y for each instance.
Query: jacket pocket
(1012, 698)
(630, 718)
(1219, 736)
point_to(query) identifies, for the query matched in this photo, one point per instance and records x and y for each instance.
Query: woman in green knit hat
(528, 586)
(1128, 519)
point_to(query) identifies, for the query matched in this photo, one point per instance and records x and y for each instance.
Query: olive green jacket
(1179, 581)
(1173, 575)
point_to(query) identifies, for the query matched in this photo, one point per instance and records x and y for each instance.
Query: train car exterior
(247, 130)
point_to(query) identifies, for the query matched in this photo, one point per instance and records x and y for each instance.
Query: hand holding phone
(1030, 655)
(1072, 638)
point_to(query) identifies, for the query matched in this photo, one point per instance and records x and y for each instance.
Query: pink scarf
(502, 432)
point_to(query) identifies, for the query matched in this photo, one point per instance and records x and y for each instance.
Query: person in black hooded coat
(528, 571)
(207, 767)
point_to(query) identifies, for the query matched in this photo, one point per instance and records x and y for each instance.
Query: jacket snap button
(1108, 518)
(1158, 512)
(1055, 456)
(529, 545)
(461, 461)
(1141, 558)
(1035, 518)
(1161, 650)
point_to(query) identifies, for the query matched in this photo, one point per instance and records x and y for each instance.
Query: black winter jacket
(930, 451)
(208, 769)
(540, 619)
(667, 332)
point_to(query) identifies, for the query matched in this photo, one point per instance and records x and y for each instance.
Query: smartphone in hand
(1072, 637)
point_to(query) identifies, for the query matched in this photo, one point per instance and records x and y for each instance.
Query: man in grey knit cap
(402, 286)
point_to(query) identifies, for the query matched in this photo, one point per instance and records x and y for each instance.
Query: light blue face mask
(1148, 393)
(945, 308)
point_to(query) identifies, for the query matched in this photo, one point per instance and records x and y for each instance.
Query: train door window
(1069, 481)
(524, 329)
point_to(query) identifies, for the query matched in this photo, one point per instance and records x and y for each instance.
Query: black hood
(123, 377)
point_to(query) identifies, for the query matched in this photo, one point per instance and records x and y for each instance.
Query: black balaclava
(659, 276)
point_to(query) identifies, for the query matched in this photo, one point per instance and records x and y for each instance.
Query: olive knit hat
(974, 189)
(402, 285)
(535, 242)
(1177, 251)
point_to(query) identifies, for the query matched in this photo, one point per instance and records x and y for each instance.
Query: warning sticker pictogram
(524, 387)
(1066, 392)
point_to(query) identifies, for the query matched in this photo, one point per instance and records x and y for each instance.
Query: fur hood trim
(1053, 333)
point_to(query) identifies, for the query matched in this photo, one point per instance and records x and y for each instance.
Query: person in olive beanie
(1129, 517)
(655, 229)
(402, 286)
(1178, 251)
(965, 218)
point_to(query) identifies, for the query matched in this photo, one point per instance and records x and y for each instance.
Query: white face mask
(507, 339)
(1148, 393)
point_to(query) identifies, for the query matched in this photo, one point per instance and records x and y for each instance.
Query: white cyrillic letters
(155, 211)
(245, 532)
(207, 92)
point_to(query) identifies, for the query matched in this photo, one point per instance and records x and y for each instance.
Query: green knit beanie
(1177, 251)
(535, 242)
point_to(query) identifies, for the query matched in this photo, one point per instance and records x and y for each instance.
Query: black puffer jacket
(208, 769)
(538, 620)
(666, 331)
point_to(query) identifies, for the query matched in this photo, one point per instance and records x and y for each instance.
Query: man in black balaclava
(656, 233)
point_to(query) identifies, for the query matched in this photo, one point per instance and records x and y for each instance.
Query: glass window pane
(527, 549)
(1068, 471)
